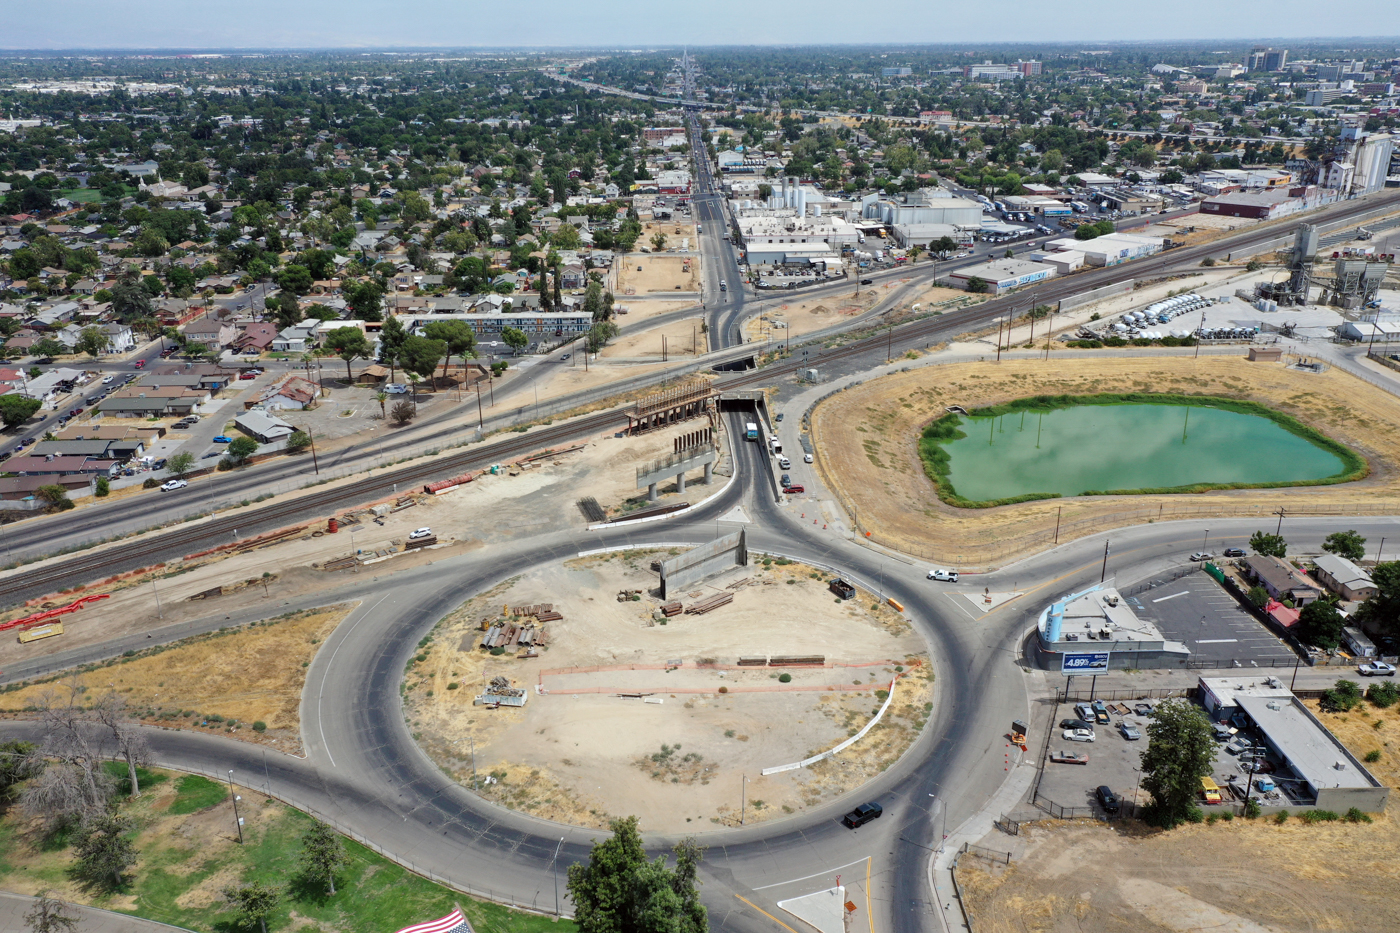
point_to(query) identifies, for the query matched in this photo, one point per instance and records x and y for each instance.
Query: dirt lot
(866, 439)
(802, 317)
(248, 675)
(663, 272)
(1245, 876)
(679, 761)
(642, 309)
(683, 338)
(543, 495)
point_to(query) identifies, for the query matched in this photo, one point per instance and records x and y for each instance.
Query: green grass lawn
(186, 856)
(81, 195)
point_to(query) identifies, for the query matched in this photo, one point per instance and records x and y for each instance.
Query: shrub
(784, 678)
(1195, 815)
(1281, 817)
(1228, 815)
(1373, 756)
(454, 686)
(1252, 809)
(103, 486)
(1210, 820)
(1354, 815)
(1344, 696)
(150, 483)
(1319, 816)
(1383, 695)
(259, 726)
(497, 651)
(723, 689)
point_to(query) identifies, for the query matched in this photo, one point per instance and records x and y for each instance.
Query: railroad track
(82, 568)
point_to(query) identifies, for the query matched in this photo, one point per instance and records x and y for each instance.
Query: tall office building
(1267, 59)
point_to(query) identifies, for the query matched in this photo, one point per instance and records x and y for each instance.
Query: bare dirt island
(867, 448)
(628, 712)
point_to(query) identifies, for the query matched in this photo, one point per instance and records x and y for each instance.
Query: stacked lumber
(710, 603)
(671, 609)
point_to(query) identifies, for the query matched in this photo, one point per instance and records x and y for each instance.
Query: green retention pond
(1052, 446)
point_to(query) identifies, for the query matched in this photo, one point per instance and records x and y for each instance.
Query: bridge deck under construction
(669, 406)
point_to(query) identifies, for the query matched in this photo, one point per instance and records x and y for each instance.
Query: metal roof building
(1332, 774)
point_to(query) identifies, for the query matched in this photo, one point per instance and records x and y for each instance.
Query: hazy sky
(620, 23)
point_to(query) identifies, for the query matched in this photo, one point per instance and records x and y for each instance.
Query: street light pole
(1205, 539)
(556, 877)
(238, 820)
(1104, 573)
(743, 798)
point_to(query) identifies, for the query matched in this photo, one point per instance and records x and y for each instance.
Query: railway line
(83, 568)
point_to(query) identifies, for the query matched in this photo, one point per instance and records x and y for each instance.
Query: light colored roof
(1311, 750)
(1343, 570)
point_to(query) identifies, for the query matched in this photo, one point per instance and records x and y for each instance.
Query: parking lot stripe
(1173, 596)
(1215, 641)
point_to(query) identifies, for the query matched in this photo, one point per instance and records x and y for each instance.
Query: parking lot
(1114, 760)
(1199, 612)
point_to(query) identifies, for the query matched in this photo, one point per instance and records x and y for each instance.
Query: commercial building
(262, 427)
(1003, 275)
(1267, 59)
(896, 72)
(1109, 249)
(1372, 160)
(1098, 624)
(1269, 205)
(921, 235)
(782, 238)
(922, 207)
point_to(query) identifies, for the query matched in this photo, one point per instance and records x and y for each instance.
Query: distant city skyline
(367, 24)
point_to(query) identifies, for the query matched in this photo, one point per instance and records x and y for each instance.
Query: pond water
(1071, 451)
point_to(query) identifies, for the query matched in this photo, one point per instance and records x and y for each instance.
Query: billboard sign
(1084, 662)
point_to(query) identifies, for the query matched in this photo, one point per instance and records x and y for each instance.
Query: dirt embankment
(867, 442)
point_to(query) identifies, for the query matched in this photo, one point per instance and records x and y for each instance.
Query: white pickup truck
(1376, 669)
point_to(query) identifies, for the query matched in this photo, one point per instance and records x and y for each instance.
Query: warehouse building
(1003, 275)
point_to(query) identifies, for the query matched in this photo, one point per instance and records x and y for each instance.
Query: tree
(295, 279)
(1383, 609)
(1179, 753)
(1348, 544)
(420, 355)
(67, 783)
(56, 496)
(391, 339)
(620, 891)
(366, 299)
(599, 335)
(50, 915)
(16, 764)
(381, 397)
(103, 849)
(514, 337)
(241, 449)
(658, 242)
(403, 412)
(978, 285)
(322, 854)
(1320, 624)
(348, 343)
(1268, 545)
(92, 341)
(458, 336)
(566, 237)
(130, 744)
(16, 409)
(253, 902)
(1259, 596)
(180, 464)
(298, 441)
(130, 300)
(48, 347)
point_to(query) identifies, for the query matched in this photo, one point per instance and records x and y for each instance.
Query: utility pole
(480, 421)
(238, 820)
(743, 798)
(314, 462)
(556, 877)
(1379, 549)
(473, 741)
(1279, 530)
(1104, 572)
(160, 614)
(999, 325)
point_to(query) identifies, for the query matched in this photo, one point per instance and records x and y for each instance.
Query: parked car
(807, 458)
(1107, 798)
(785, 480)
(1076, 724)
(420, 533)
(1084, 711)
(1130, 731)
(1078, 735)
(1221, 731)
(1143, 709)
(795, 489)
(173, 484)
(1233, 552)
(1201, 556)
(1070, 758)
(107, 380)
(1100, 712)
(938, 573)
(247, 376)
(223, 439)
(863, 814)
(1376, 669)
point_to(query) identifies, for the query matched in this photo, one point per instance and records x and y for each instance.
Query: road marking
(1216, 641)
(1173, 596)
(869, 914)
(817, 875)
(765, 913)
(320, 722)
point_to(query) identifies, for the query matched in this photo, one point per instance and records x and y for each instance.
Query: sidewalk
(13, 907)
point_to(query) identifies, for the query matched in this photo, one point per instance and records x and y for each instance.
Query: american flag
(454, 922)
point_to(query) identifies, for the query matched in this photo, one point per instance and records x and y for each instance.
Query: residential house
(262, 427)
(20, 493)
(294, 392)
(33, 465)
(256, 336)
(298, 338)
(1282, 580)
(211, 332)
(1344, 578)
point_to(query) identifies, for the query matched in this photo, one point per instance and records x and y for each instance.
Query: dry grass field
(867, 439)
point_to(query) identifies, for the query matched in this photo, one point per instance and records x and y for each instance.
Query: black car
(867, 281)
(786, 479)
(1107, 798)
(1233, 552)
(863, 814)
(1076, 724)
